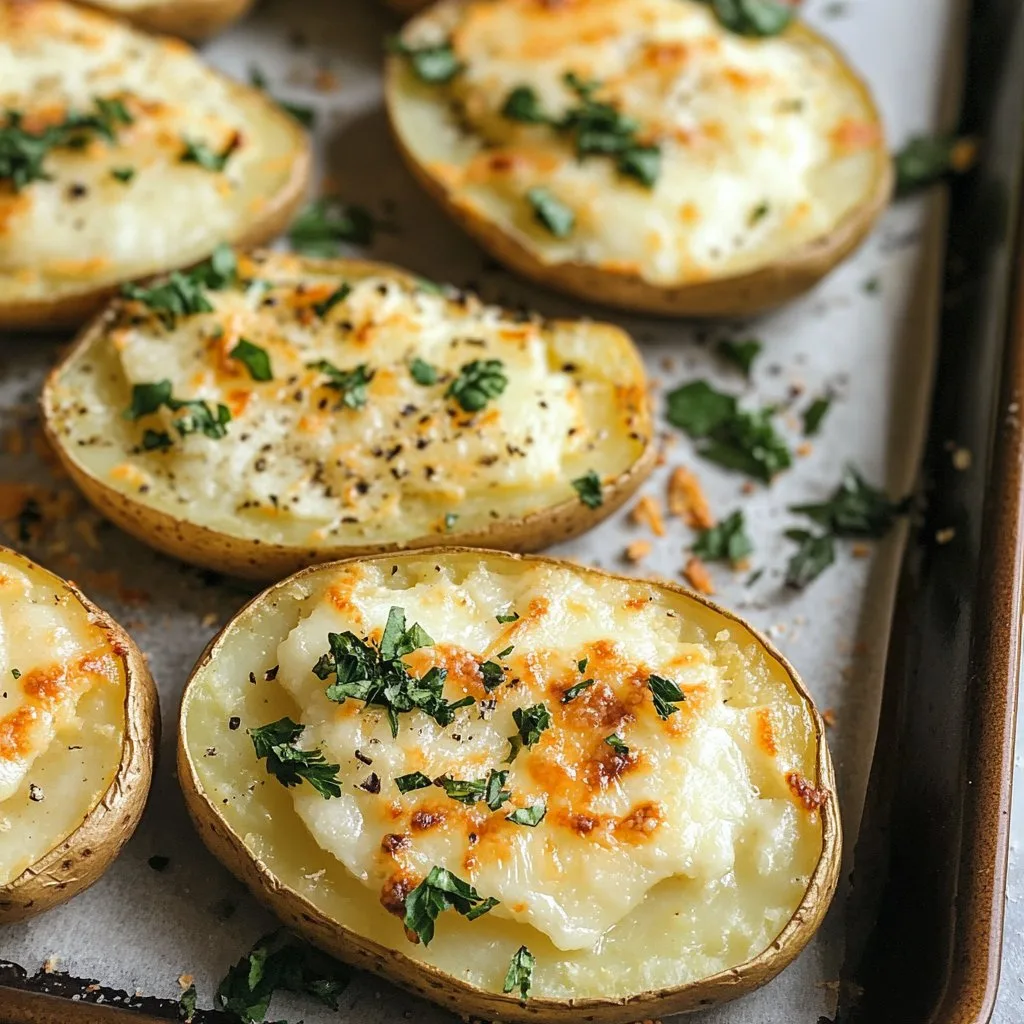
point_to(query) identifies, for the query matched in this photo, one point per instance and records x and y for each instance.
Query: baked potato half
(78, 729)
(319, 409)
(519, 787)
(637, 152)
(190, 19)
(124, 155)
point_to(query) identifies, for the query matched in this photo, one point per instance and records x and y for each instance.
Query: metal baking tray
(924, 353)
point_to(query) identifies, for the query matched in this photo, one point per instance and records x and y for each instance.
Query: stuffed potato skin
(438, 128)
(80, 858)
(296, 902)
(528, 517)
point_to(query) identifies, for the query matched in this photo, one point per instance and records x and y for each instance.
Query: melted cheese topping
(298, 465)
(684, 857)
(765, 144)
(61, 714)
(84, 228)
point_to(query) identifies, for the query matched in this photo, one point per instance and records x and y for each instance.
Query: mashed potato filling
(635, 783)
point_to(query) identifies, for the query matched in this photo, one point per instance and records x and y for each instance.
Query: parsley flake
(184, 293)
(588, 487)
(378, 677)
(815, 415)
(253, 358)
(195, 152)
(550, 212)
(744, 440)
(434, 65)
(925, 160)
(574, 691)
(665, 694)
(350, 384)
(493, 675)
(187, 1004)
(531, 722)
(339, 294)
(423, 372)
(289, 765)
(756, 18)
(530, 816)
(122, 174)
(727, 541)
(197, 416)
(471, 791)
(508, 617)
(413, 781)
(478, 381)
(815, 553)
(617, 744)
(280, 962)
(855, 509)
(520, 973)
(324, 224)
(16, 673)
(740, 353)
(440, 891)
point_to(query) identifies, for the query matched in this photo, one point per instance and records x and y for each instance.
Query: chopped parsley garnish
(290, 765)
(23, 153)
(925, 160)
(515, 744)
(530, 816)
(753, 17)
(413, 781)
(617, 744)
(666, 695)
(197, 417)
(815, 553)
(16, 673)
(122, 174)
(815, 414)
(187, 1004)
(471, 791)
(200, 153)
(744, 440)
(450, 519)
(574, 691)
(520, 973)
(531, 722)
(423, 372)
(324, 224)
(434, 65)
(550, 212)
(440, 891)
(350, 384)
(855, 509)
(508, 617)
(727, 541)
(596, 128)
(339, 294)
(493, 675)
(477, 383)
(740, 353)
(280, 962)
(378, 677)
(254, 359)
(581, 665)
(588, 487)
(156, 441)
(184, 293)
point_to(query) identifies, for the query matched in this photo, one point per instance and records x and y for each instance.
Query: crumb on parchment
(647, 512)
(696, 574)
(686, 499)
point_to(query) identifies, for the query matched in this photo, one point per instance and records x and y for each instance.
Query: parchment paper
(866, 334)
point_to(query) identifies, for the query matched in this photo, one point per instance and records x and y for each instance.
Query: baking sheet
(867, 335)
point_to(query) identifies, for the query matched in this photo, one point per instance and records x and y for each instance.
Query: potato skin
(279, 210)
(738, 295)
(90, 849)
(194, 20)
(264, 562)
(453, 993)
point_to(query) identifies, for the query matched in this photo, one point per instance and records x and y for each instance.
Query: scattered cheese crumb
(804, 448)
(961, 459)
(647, 512)
(945, 536)
(325, 81)
(50, 965)
(637, 551)
(697, 575)
(686, 498)
(184, 980)
(209, 619)
(828, 716)
(860, 550)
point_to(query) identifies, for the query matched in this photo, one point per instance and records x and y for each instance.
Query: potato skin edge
(455, 994)
(194, 20)
(744, 294)
(266, 562)
(80, 859)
